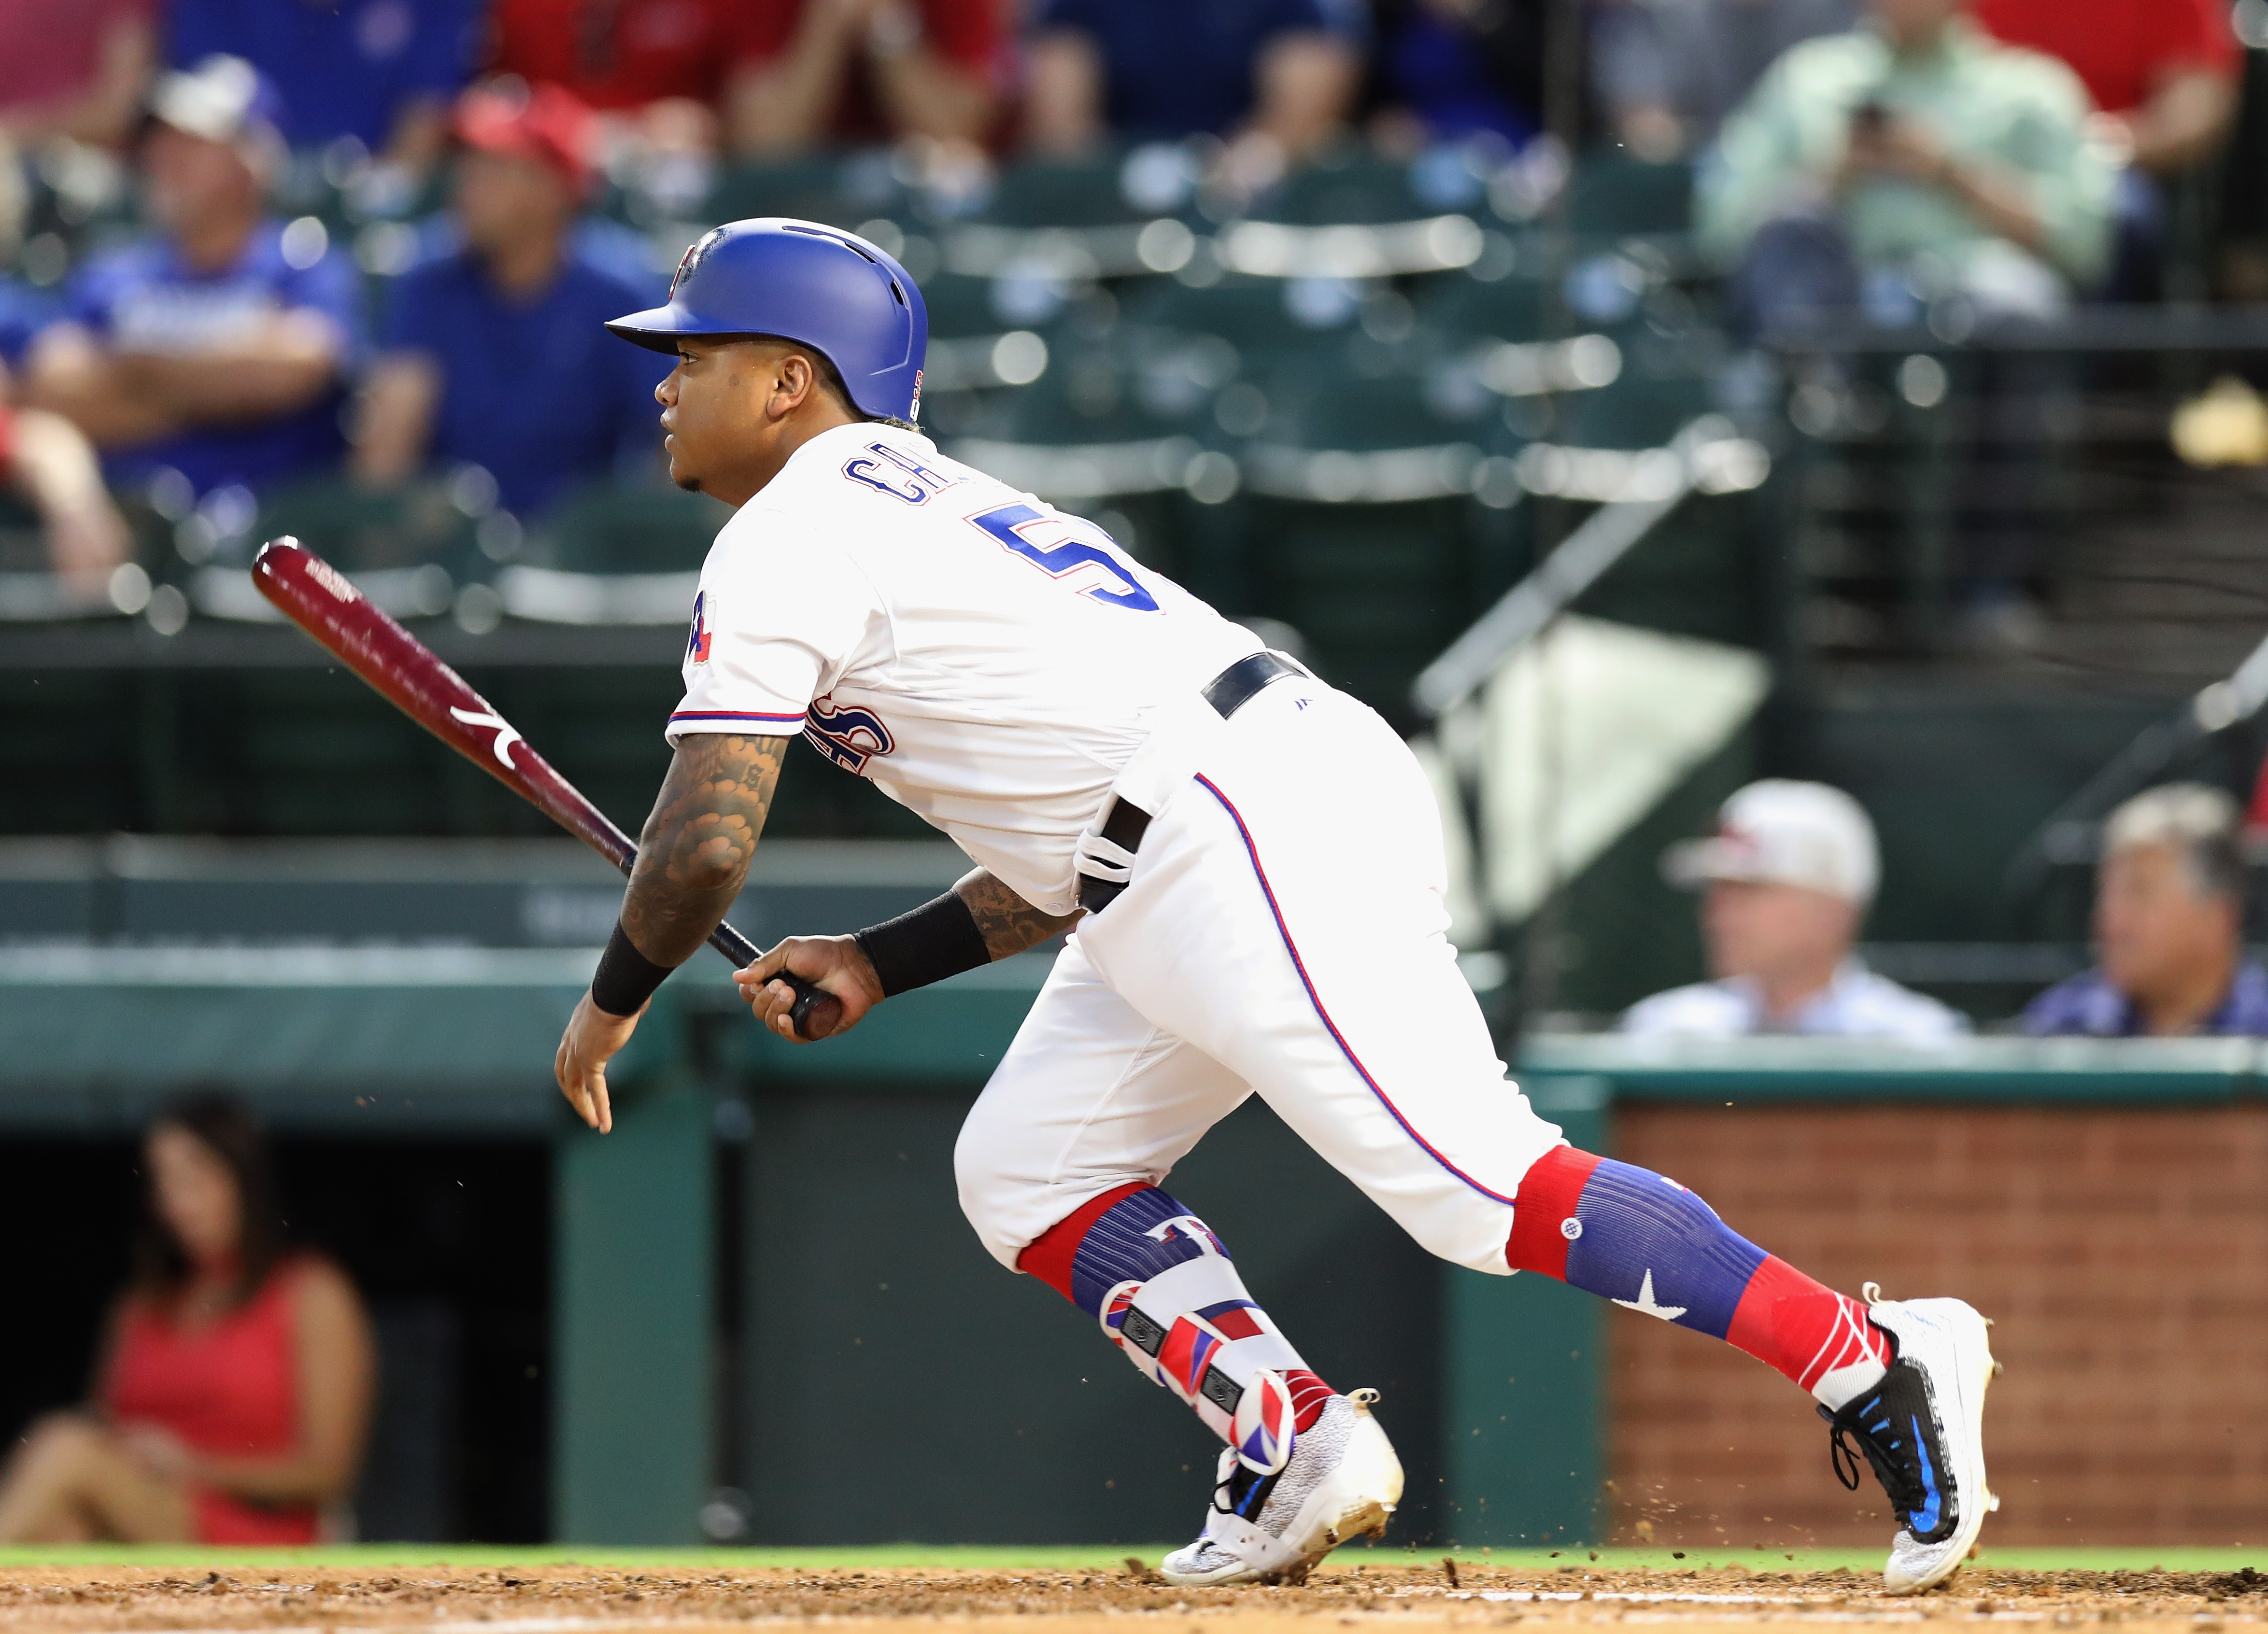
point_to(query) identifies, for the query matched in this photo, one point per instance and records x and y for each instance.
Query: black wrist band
(625, 978)
(934, 941)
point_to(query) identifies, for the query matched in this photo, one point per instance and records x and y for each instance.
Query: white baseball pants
(1282, 934)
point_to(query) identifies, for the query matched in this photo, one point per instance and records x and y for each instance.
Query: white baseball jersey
(983, 658)
(996, 666)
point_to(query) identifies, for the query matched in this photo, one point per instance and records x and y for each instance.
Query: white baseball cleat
(1922, 1428)
(1341, 1480)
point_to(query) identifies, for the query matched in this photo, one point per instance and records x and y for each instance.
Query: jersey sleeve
(777, 623)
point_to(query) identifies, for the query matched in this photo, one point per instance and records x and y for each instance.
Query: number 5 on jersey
(1022, 528)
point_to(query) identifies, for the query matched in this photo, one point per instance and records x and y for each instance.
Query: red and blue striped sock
(1166, 1291)
(1645, 1242)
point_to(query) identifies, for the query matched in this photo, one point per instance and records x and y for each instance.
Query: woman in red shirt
(234, 1385)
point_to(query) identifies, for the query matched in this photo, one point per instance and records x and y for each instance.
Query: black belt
(1228, 692)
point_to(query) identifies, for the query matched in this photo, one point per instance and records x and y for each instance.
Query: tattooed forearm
(1008, 923)
(696, 846)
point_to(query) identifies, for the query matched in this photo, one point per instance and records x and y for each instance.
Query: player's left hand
(836, 964)
(592, 1039)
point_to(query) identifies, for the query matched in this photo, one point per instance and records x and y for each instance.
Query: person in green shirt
(1915, 167)
(1912, 158)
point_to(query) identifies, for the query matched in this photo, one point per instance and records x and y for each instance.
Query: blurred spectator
(1670, 71)
(380, 71)
(44, 459)
(1874, 174)
(2163, 72)
(495, 353)
(865, 71)
(233, 1388)
(25, 310)
(217, 346)
(659, 68)
(2168, 922)
(1450, 70)
(75, 70)
(1277, 76)
(1917, 158)
(1788, 878)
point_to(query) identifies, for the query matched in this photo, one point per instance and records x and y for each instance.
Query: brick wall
(2123, 1254)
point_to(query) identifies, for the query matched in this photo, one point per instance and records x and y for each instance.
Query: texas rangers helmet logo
(848, 736)
(697, 649)
(691, 259)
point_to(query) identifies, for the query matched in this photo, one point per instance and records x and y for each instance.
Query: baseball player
(1250, 862)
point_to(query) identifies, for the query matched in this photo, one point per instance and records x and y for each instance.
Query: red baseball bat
(318, 597)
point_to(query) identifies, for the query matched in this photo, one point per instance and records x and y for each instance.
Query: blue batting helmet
(816, 285)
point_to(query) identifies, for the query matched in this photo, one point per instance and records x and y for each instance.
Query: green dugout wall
(880, 1368)
(877, 1377)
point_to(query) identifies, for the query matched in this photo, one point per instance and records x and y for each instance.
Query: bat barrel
(320, 600)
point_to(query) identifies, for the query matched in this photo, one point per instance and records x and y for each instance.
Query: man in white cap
(1787, 878)
(217, 346)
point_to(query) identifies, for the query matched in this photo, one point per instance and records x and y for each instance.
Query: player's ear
(797, 378)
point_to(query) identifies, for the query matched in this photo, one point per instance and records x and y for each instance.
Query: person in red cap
(494, 352)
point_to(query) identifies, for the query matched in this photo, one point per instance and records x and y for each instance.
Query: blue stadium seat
(1613, 193)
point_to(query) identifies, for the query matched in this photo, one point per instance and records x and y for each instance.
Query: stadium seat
(1634, 412)
(841, 191)
(1041, 192)
(1612, 194)
(1263, 318)
(1511, 307)
(623, 528)
(1357, 186)
(1362, 528)
(357, 529)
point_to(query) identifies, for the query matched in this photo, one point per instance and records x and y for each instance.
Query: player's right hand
(592, 1039)
(836, 964)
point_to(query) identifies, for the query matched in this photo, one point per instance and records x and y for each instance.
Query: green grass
(854, 1557)
(1094, 1557)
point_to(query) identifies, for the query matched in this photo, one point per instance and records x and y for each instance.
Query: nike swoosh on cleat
(1924, 1519)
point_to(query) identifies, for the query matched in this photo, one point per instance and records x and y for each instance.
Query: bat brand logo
(506, 737)
(850, 738)
(331, 579)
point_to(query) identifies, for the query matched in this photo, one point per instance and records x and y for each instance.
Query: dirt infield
(564, 1597)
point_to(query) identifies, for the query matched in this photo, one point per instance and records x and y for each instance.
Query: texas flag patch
(697, 649)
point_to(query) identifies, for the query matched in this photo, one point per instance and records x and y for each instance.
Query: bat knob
(808, 997)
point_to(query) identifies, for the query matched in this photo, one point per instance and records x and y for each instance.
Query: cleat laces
(1887, 1427)
(1241, 1489)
